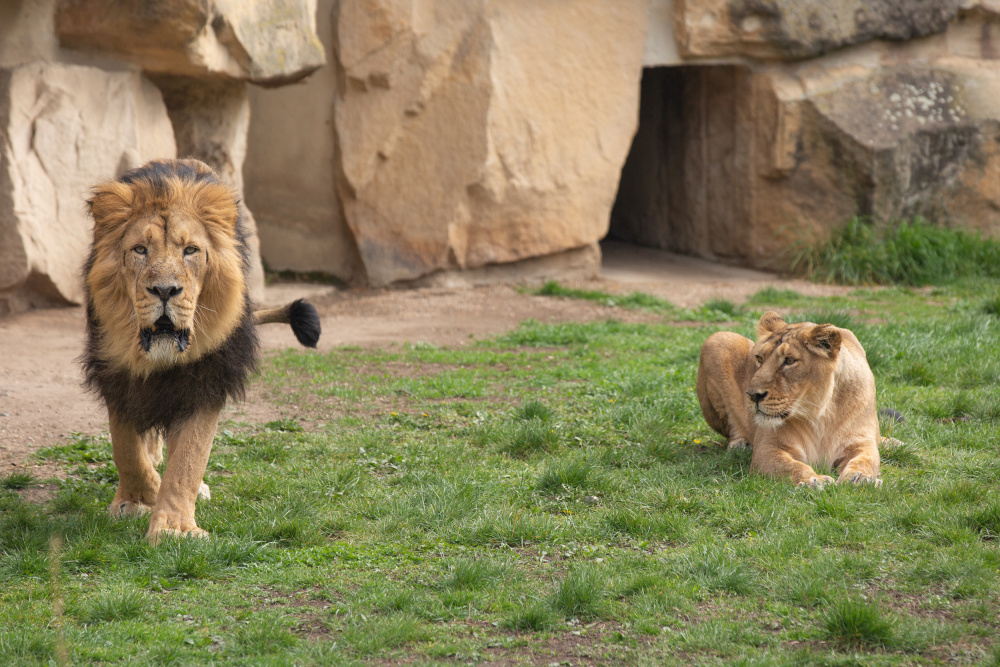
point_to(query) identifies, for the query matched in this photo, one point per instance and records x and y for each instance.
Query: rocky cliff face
(449, 136)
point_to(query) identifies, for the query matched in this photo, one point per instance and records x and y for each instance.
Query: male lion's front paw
(740, 443)
(817, 482)
(119, 508)
(162, 525)
(859, 478)
(155, 538)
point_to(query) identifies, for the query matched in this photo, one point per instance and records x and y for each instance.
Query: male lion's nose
(165, 292)
(756, 396)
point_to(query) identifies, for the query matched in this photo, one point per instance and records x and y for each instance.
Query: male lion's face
(795, 369)
(165, 259)
(165, 277)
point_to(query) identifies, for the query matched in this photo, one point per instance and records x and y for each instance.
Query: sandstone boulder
(58, 136)
(473, 133)
(270, 42)
(791, 29)
(292, 160)
(211, 117)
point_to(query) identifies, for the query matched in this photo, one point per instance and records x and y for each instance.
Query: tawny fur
(816, 400)
(170, 331)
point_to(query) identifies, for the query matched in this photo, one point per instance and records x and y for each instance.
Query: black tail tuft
(304, 319)
(889, 413)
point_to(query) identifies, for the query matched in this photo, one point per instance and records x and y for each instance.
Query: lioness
(170, 331)
(802, 394)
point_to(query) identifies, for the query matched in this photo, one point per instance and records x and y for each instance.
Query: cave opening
(681, 188)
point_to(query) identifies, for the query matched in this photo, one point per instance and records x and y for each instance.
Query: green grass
(859, 623)
(18, 479)
(905, 253)
(551, 495)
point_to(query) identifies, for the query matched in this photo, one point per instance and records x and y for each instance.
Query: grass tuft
(573, 475)
(536, 617)
(582, 594)
(115, 604)
(986, 521)
(858, 623)
(635, 300)
(19, 479)
(533, 410)
(523, 438)
(906, 253)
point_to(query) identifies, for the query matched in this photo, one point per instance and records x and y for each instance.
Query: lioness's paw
(119, 508)
(817, 482)
(859, 478)
(204, 493)
(740, 443)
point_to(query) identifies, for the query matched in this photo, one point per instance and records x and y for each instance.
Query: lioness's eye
(139, 250)
(760, 359)
(190, 250)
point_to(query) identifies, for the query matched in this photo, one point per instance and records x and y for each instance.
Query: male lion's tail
(300, 314)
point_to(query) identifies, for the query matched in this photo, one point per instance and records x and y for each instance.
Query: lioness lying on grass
(802, 395)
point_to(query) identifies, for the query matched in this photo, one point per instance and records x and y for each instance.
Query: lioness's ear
(824, 339)
(110, 205)
(771, 321)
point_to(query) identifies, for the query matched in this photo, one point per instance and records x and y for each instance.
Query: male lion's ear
(110, 205)
(770, 322)
(217, 206)
(824, 339)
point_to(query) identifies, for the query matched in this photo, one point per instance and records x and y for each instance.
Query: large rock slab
(62, 129)
(211, 118)
(270, 42)
(791, 29)
(475, 133)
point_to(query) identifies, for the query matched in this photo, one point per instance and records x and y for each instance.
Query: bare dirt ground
(42, 401)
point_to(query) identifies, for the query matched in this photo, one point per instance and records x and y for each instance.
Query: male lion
(170, 331)
(802, 394)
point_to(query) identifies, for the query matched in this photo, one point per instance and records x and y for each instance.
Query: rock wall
(449, 138)
(92, 88)
(291, 173)
(746, 162)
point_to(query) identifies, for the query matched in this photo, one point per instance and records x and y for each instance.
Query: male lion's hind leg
(138, 481)
(859, 464)
(188, 447)
(154, 447)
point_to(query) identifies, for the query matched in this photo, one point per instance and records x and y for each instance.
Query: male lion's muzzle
(164, 327)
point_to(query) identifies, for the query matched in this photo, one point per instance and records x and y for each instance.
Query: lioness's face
(795, 364)
(165, 258)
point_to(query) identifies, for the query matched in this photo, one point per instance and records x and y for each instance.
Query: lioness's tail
(300, 314)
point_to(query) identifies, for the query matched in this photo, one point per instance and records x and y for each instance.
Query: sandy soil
(42, 401)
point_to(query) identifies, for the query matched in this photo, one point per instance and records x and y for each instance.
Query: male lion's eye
(190, 250)
(789, 361)
(139, 250)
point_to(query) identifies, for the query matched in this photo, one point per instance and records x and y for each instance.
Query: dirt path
(42, 402)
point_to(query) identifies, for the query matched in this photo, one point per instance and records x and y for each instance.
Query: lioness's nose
(165, 292)
(757, 397)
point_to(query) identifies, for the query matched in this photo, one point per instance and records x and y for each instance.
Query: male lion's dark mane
(168, 397)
